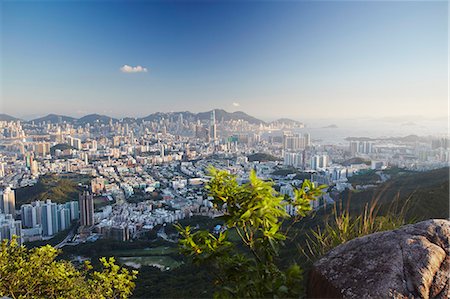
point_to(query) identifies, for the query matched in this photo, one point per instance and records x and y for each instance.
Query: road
(69, 237)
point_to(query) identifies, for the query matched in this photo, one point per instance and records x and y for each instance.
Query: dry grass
(344, 227)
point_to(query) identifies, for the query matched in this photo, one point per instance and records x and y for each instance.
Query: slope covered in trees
(262, 157)
(425, 194)
(52, 187)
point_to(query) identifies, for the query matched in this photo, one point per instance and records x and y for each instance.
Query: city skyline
(193, 149)
(300, 60)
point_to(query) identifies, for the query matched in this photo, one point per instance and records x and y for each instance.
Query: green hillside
(262, 157)
(48, 187)
(426, 194)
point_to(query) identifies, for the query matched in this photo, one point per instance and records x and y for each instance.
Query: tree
(256, 213)
(35, 273)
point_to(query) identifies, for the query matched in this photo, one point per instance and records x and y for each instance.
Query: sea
(335, 132)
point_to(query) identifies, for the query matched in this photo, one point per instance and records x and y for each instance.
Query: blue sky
(303, 59)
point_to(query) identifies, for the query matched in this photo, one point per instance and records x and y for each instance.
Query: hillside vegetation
(262, 157)
(52, 187)
(426, 195)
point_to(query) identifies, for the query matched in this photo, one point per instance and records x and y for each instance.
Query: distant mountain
(158, 116)
(173, 116)
(6, 117)
(333, 126)
(54, 119)
(95, 118)
(409, 138)
(220, 115)
(226, 116)
(287, 122)
(129, 120)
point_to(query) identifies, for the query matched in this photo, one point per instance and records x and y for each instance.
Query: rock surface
(410, 262)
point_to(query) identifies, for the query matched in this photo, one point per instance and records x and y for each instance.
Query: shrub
(255, 212)
(35, 273)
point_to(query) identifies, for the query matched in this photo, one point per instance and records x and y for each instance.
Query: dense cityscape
(141, 173)
(224, 149)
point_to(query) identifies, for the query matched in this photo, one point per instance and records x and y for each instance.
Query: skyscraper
(293, 142)
(162, 149)
(213, 129)
(307, 138)
(319, 162)
(29, 215)
(63, 217)
(86, 203)
(7, 201)
(49, 218)
(73, 207)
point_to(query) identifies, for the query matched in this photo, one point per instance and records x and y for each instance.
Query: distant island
(333, 126)
(409, 138)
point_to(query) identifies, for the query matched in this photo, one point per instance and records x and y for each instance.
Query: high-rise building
(361, 147)
(213, 129)
(86, 204)
(10, 227)
(162, 149)
(319, 161)
(293, 159)
(42, 149)
(63, 217)
(74, 142)
(353, 147)
(29, 215)
(38, 208)
(77, 143)
(8, 201)
(307, 138)
(293, 142)
(49, 218)
(74, 209)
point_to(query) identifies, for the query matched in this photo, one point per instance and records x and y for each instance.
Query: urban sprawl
(138, 174)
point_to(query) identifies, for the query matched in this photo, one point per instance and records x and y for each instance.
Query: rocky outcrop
(410, 262)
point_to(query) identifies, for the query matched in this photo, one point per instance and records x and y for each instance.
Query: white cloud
(236, 104)
(133, 69)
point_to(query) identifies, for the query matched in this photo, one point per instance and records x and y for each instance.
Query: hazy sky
(300, 59)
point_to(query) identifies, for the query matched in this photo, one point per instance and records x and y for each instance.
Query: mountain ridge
(7, 117)
(54, 118)
(221, 114)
